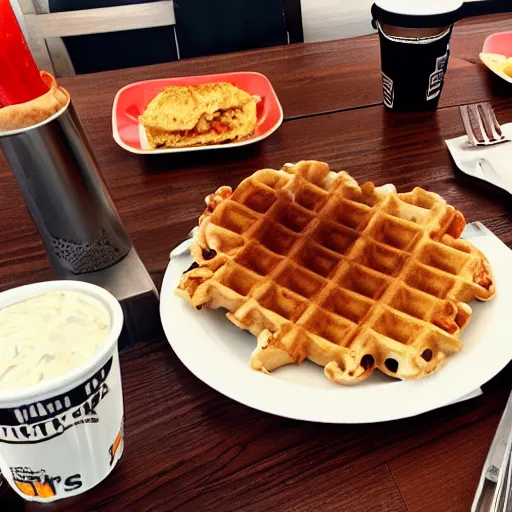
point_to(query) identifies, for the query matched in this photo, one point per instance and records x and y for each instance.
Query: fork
(481, 125)
(493, 492)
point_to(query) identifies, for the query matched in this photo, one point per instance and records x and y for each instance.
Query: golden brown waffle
(352, 278)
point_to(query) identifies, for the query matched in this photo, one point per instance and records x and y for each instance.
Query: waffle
(351, 277)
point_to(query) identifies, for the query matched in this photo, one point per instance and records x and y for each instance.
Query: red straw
(19, 76)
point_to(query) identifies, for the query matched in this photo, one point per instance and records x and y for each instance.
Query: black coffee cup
(413, 68)
(415, 46)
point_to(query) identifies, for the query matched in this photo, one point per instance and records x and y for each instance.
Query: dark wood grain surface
(190, 448)
(312, 78)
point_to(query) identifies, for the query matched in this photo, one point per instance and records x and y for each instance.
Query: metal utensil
(481, 125)
(183, 247)
(491, 483)
(59, 178)
(507, 493)
(501, 500)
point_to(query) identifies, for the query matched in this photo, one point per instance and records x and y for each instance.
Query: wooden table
(187, 446)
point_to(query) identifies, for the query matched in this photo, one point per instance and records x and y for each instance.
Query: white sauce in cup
(48, 335)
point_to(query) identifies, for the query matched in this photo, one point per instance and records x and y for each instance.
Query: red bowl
(131, 101)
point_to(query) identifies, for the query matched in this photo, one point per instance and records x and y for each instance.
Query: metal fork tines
(481, 125)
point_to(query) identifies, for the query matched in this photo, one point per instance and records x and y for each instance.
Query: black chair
(202, 27)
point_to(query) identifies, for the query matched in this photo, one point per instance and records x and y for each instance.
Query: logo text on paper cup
(388, 90)
(435, 80)
(33, 483)
(46, 419)
(118, 441)
(40, 484)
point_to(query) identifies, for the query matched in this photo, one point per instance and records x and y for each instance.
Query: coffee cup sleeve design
(43, 442)
(33, 483)
(118, 442)
(388, 90)
(43, 420)
(435, 82)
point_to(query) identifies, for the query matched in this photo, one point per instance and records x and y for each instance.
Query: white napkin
(488, 163)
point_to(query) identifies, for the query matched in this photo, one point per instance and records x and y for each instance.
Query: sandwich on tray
(211, 113)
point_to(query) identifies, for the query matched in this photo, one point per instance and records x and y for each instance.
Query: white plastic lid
(419, 8)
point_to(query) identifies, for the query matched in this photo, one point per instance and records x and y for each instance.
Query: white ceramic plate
(218, 353)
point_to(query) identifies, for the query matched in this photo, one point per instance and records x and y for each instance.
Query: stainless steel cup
(66, 195)
(76, 218)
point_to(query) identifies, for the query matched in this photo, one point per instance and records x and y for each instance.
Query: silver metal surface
(131, 284)
(501, 499)
(76, 218)
(66, 195)
(481, 125)
(487, 496)
(506, 504)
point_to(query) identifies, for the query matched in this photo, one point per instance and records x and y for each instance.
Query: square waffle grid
(327, 262)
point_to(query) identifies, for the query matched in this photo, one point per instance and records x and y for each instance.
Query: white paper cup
(63, 436)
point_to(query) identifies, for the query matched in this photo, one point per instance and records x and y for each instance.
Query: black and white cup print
(413, 69)
(388, 90)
